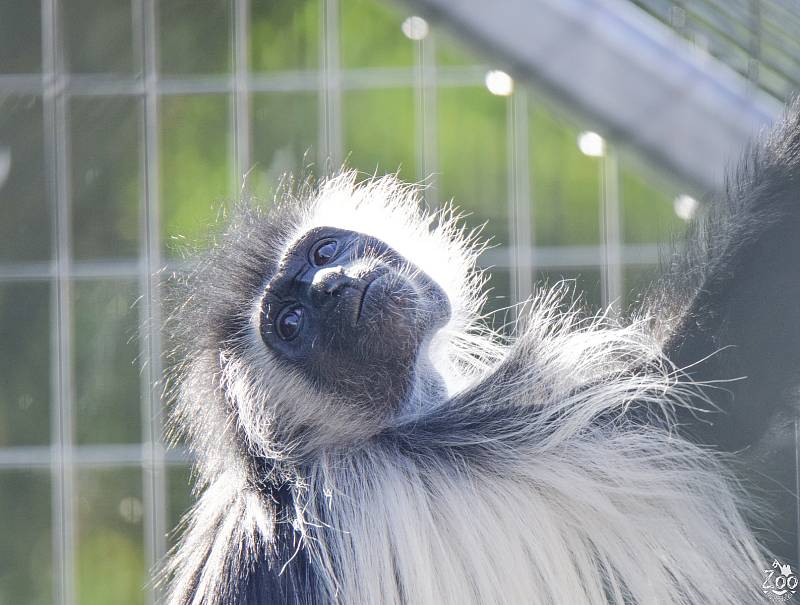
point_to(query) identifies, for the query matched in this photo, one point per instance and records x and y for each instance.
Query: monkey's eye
(288, 322)
(324, 251)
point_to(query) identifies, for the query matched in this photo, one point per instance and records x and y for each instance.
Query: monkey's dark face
(352, 314)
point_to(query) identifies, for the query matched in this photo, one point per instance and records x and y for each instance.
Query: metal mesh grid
(519, 255)
(757, 38)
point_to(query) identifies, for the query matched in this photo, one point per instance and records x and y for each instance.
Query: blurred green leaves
(194, 37)
(371, 35)
(110, 564)
(565, 184)
(20, 37)
(379, 131)
(27, 216)
(107, 401)
(196, 168)
(648, 210)
(473, 157)
(26, 560)
(99, 41)
(106, 176)
(285, 34)
(284, 137)
(24, 363)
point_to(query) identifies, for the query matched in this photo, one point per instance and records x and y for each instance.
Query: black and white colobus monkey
(362, 438)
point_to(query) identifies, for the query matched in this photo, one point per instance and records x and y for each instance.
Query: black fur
(736, 289)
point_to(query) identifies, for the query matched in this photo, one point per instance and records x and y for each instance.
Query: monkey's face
(351, 314)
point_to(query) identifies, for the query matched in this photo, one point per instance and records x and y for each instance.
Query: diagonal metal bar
(623, 70)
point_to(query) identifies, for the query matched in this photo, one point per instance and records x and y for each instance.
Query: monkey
(362, 436)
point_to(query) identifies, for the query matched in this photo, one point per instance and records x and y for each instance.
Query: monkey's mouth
(362, 298)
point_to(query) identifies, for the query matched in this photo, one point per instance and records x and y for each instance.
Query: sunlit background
(126, 125)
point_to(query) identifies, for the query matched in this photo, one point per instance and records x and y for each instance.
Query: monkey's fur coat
(555, 469)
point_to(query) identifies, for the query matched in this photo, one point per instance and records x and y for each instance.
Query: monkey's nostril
(335, 284)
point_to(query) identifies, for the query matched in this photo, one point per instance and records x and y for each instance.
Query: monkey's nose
(330, 281)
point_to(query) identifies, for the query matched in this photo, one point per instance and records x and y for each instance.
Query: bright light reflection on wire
(415, 28)
(499, 83)
(591, 144)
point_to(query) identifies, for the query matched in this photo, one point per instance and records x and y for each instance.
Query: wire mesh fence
(125, 128)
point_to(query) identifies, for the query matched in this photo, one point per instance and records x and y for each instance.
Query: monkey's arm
(740, 331)
(741, 278)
